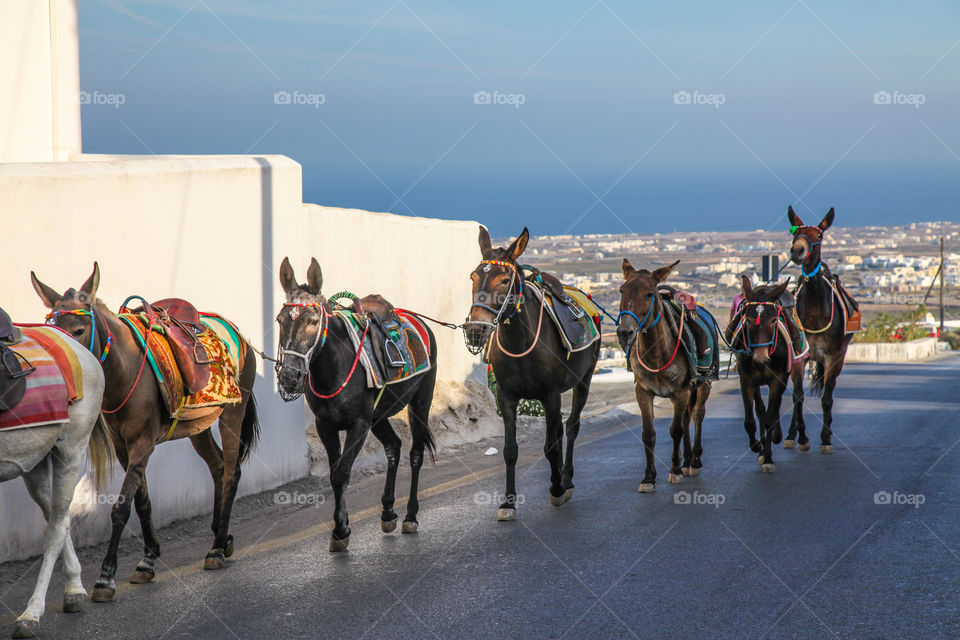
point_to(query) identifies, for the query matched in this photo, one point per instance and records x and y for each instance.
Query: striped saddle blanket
(55, 383)
(223, 346)
(398, 352)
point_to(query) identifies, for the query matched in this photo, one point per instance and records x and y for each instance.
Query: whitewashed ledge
(910, 351)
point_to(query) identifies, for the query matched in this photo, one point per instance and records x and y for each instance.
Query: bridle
(506, 310)
(746, 334)
(319, 339)
(51, 318)
(811, 243)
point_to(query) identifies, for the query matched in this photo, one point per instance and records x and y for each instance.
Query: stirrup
(394, 360)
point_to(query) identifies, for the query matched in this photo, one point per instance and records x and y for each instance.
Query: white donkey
(49, 459)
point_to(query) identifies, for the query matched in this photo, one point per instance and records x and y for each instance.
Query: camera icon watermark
(897, 498)
(95, 98)
(697, 97)
(500, 98)
(298, 499)
(714, 500)
(900, 98)
(297, 98)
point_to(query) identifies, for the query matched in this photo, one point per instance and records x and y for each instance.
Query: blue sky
(604, 140)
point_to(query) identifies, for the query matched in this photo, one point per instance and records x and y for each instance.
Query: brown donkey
(138, 421)
(822, 316)
(647, 336)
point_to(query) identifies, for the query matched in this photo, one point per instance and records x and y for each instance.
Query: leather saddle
(568, 312)
(13, 376)
(181, 324)
(384, 320)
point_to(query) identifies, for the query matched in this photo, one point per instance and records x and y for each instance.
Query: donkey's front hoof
(803, 446)
(72, 602)
(103, 591)
(768, 468)
(692, 471)
(506, 514)
(214, 560)
(337, 545)
(410, 526)
(562, 498)
(646, 487)
(26, 629)
(826, 448)
(229, 550)
(675, 478)
(388, 526)
(789, 444)
(143, 574)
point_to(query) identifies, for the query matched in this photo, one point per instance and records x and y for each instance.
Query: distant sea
(659, 200)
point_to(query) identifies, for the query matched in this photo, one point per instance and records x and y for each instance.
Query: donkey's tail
(816, 385)
(249, 430)
(101, 453)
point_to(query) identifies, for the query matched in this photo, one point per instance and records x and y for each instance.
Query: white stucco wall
(40, 81)
(211, 229)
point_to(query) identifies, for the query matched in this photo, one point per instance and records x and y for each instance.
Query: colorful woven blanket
(222, 343)
(409, 336)
(55, 384)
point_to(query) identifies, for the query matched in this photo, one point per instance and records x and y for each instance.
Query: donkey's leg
(553, 446)
(679, 431)
(418, 414)
(208, 449)
(798, 430)
(698, 401)
(151, 543)
(340, 478)
(750, 396)
(649, 438)
(508, 407)
(580, 393)
(384, 432)
(831, 370)
(770, 422)
(64, 467)
(137, 455)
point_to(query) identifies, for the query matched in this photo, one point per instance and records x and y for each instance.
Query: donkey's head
(73, 311)
(805, 248)
(640, 308)
(760, 313)
(497, 286)
(303, 323)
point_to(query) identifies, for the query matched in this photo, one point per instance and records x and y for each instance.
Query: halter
(51, 318)
(641, 328)
(795, 229)
(486, 327)
(746, 334)
(319, 339)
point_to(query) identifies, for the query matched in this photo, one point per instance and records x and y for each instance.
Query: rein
(536, 337)
(353, 368)
(676, 347)
(833, 306)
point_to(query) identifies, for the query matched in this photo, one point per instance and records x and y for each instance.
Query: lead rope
(356, 359)
(676, 348)
(536, 338)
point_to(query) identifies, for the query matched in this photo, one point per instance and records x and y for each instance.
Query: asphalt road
(816, 550)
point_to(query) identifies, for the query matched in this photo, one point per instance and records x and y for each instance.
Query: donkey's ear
(747, 287)
(778, 290)
(48, 295)
(287, 279)
(89, 288)
(827, 220)
(794, 218)
(659, 275)
(485, 245)
(515, 250)
(628, 269)
(314, 277)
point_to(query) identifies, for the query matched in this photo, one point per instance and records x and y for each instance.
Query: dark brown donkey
(661, 369)
(529, 361)
(143, 421)
(822, 317)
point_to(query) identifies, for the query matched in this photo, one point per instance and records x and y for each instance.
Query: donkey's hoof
(409, 526)
(229, 550)
(789, 444)
(26, 629)
(388, 526)
(213, 561)
(826, 448)
(674, 478)
(103, 591)
(72, 601)
(646, 487)
(143, 574)
(768, 468)
(337, 545)
(506, 514)
(803, 446)
(693, 471)
(564, 497)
